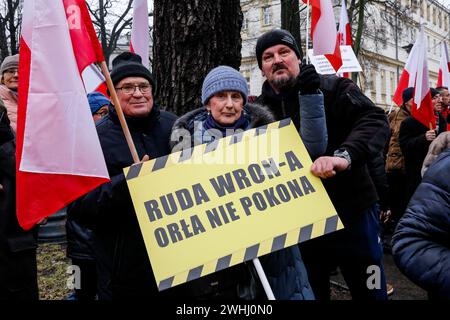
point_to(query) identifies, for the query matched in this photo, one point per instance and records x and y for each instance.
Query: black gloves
(308, 79)
(5, 129)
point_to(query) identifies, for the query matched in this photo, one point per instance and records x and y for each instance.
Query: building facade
(391, 29)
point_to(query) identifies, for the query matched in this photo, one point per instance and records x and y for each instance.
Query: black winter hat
(407, 94)
(434, 92)
(128, 64)
(272, 38)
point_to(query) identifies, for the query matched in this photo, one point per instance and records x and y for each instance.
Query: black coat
(353, 123)
(414, 147)
(122, 262)
(18, 273)
(421, 242)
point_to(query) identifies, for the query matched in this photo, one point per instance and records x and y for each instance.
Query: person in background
(99, 104)
(421, 242)
(18, 268)
(415, 138)
(395, 163)
(9, 71)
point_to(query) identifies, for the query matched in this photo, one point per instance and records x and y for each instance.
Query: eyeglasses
(131, 88)
(12, 71)
(102, 113)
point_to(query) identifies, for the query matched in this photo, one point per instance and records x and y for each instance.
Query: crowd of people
(370, 164)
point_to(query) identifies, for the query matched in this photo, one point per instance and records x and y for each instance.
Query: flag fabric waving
(344, 32)
(323, 32)
(422, 108)
(139, 31)
(85, 43)
(59, 157)
(408, 77)
(444, 68)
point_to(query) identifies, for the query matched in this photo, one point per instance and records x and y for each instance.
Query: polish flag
(444, 68)
(59, 157)
(344, 32)
(85, 42)
(323, 32)
(408, 77)
(422, 108)
(139, 32)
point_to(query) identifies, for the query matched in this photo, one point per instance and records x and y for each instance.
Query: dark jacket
(122, 262)
(18, 274)
(414, 147)
(284, 268)
(421, 242)
(79, 241)
(354, 123)
(378, 175)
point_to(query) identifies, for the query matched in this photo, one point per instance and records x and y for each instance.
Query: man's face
(437, 103)
(408, 104)
(281, 66)
(445, 98)
(135, 96)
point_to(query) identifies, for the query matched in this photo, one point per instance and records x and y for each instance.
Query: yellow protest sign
(205, 209)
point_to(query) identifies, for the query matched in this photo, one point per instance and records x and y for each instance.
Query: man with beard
(357, 131)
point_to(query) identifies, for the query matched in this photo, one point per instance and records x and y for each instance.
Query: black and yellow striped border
(142, 169)
(282, 241)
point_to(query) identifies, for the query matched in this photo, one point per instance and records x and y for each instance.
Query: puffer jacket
(284, 269)
(394, 156)
(421, 242)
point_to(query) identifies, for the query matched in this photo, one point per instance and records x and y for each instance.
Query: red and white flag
(422, 108)
(323, 32)
(444, 68)
(85, 42)
(408, 77)
(139, 33)
(344, 32)
(59, 157)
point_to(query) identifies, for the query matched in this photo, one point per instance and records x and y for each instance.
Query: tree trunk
(12, 6)
(359, 31)
(190, 38)
(290, 20)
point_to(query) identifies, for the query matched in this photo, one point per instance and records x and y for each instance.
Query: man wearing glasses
(123, 266)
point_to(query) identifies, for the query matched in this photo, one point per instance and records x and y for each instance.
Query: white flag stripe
(422, 82)
(444, 65)
(60, 135)
(140, 39)
(92, 78)
(324, 41)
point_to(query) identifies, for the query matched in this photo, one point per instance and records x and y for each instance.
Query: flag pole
(119, 111)
(263, 278)
(307, 33)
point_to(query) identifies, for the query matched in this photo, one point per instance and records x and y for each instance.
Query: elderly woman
(224, 96)
(9, 84)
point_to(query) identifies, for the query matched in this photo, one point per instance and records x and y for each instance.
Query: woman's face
(226, 107)
(11, 78)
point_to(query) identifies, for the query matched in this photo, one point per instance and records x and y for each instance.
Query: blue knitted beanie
(223, 78)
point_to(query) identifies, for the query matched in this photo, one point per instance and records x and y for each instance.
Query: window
(245, 22)
(267, 18)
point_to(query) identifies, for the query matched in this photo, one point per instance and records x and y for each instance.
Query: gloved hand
(308, 79)
(6, 133)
